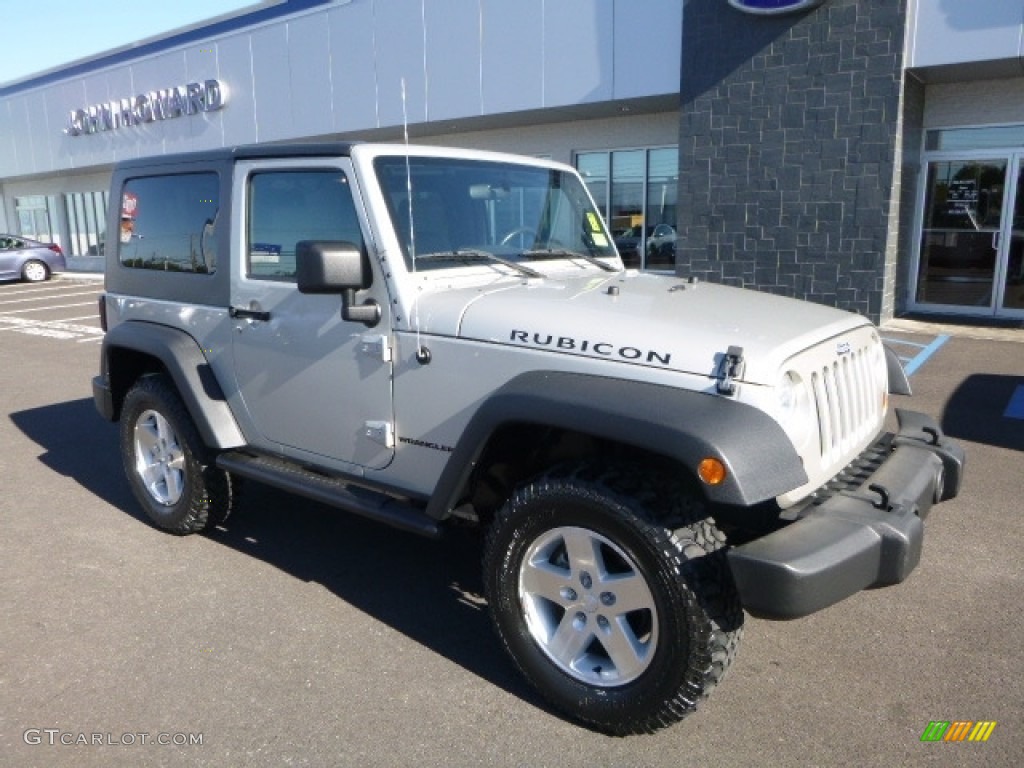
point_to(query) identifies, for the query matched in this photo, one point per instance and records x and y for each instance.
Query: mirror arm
(367, 313)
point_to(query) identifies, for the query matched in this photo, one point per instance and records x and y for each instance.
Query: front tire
(170, 470)
(609, 588)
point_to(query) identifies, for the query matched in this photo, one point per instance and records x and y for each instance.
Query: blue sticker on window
(765, 7)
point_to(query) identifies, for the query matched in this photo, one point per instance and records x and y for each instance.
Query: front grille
(856, 473)
(847, 401)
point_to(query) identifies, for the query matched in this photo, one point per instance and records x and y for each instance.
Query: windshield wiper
(563, 253)
(467, 254)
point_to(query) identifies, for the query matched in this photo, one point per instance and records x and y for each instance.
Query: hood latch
(730, 368)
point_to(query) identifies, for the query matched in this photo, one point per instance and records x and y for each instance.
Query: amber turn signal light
(711, 471)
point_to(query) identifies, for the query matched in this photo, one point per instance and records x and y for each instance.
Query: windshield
(471, 210)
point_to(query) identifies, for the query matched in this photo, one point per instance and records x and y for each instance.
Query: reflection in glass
(662, 189)
(636, 190)
(1013, 294)
(164, 221)
(593, 167)
(627, 206)
(960, 237)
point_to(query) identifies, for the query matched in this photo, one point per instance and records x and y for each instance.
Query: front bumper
(868, 537)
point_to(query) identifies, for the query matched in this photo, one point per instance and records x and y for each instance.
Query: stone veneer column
(790, 147)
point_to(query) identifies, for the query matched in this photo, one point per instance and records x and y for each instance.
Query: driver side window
(286, 207)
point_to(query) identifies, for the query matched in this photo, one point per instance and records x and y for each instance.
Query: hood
(639, 318)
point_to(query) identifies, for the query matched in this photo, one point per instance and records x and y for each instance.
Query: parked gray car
(29, 260)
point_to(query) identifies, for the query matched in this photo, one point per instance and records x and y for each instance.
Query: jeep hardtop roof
(244, 152)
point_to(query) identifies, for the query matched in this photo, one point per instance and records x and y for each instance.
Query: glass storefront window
(36, 217)
(87, 216)
(986, 137)
(636, 190)
(593, 167)
(662, 189)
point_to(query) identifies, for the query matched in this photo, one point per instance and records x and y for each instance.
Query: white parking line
(47, 298)
(43, 309)
(18, 323)
(84, 317)
(17, 289)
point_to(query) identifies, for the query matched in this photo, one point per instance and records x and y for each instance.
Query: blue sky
(41, 34)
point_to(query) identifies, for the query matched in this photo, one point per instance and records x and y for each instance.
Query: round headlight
(796, 412)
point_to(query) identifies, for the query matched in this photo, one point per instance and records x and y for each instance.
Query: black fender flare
(681, 424)
(899, 384)
(182, 358)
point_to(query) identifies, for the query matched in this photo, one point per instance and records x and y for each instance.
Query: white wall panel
(513, 55)
(177, 134)
(453, 58)
(398, 36)
(120, 84)
(95, 149)
(17, 126)
(577, 45)
(42, 131)
(339, 68)
(353, 74)
(959, 31)
(207, 128)
(271, 83)
(648, 47)
(309, 70)
(238, 117)
(59, 101)
(156, 73)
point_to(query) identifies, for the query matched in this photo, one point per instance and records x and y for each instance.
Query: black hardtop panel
(246, 152)
(189, 287)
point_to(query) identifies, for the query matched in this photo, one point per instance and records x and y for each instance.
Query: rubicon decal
(573, 345)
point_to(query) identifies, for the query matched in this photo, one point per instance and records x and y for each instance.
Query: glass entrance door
(972, 236)
(1010, 298)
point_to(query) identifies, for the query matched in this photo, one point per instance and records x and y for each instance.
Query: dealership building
(865, 154)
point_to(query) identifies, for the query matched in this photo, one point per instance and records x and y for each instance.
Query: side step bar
(336, 493)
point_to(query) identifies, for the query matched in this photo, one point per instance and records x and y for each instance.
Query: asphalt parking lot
(296, 635)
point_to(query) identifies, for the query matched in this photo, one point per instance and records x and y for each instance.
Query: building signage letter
(189, 99)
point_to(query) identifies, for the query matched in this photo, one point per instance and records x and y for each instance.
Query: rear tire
(170, 470)
(34, 271)
(609, 588)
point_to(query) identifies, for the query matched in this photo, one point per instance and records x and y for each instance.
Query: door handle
(248, 314)
(995, 240)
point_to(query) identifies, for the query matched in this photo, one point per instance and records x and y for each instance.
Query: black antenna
(422, 353)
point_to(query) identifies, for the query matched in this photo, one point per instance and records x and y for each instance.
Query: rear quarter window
(169, 223)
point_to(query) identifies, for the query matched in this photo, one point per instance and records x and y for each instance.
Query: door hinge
(376, 346)
(382, 432)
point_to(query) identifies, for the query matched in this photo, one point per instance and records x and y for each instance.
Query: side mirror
(323, 266)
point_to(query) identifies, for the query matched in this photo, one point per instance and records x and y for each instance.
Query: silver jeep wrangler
(431, 337)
